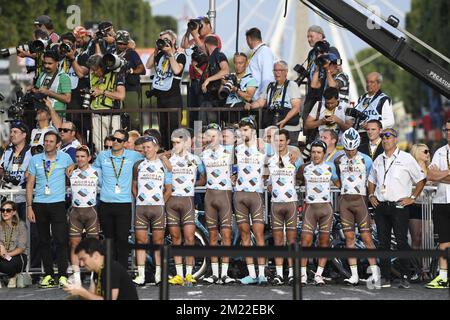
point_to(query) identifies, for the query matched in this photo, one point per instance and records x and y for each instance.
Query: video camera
(199, 56)
(194, 23)
(358, 115)
(35, 46)
(231, 81)
(115, 63)
(28, 101)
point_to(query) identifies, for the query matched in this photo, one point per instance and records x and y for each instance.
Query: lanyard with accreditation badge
(47, 175)
(117, 187)
(383, 187)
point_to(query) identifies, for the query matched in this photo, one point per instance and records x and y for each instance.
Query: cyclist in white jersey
(284, 200)
(317, 176)
(84, 181)
(248, 196)
(180, 207)
(353, 169)
(218, 210)
(152, 187)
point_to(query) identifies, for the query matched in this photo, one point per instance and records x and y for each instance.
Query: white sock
(443, 274)
(303, 271)
(291, 272)
(375, 273)
(251, 270)
(279, 271)
(354, 270)
(215, 268)
(319, 271)
(224, 269)
(261, 270)
(188, 270)
(179, 268)
(158, 274)
(141, 271)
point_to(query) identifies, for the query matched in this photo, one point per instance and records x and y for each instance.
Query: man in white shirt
(261, 61)
(439, 172)
(390, 191)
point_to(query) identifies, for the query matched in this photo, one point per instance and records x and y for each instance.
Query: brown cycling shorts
(353, 208)
(248, 204)
(180, 211)
(149, 215)
(83, 219)
(218, 210)
(318, 213)
(284, 213)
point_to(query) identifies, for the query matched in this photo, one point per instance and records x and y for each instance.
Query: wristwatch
(413, 197)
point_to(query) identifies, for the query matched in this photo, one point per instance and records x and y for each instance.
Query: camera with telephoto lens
(161, 43)
(302, 73)
(28, 101)
(86, 98)
(358, 115)
(100, 34)
(115, 63)
(11, 180)
(194, 23)
(35, 46)
(199, 56)
(231, 81)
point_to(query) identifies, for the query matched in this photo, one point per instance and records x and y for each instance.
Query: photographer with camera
(45, 23)
(280, 100)
(107, 91)
(238, 88)
(375, 104)
(329, 113)
(133, 70)
(47, 120)
(169, 64)
(260, 60)
(105, 38)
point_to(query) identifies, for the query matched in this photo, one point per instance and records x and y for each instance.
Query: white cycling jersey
(250, 169)
(318, 180)
(282, 178)
(184, 174)
(218, 165)
(84, 186)
(152, 175)
(353, 173)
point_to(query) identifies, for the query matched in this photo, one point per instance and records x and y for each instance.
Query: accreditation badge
(117, 189)
(383, 189)
(47, 191)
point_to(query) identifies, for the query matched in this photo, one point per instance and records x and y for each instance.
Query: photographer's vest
(278, 101)
(372, 107)
(164, 75)
(52, 83)
(108, 82)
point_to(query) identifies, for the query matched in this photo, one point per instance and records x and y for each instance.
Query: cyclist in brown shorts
(82, 215)
(353, 170)
(284, 200)
(248, 196)
(218, 210)
(180, 207)
(152, 187)
(317, 176)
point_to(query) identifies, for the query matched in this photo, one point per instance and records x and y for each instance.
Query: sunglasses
(117, 139)
(213, 126)
(65, 130)
(446, 130)
(107, 147)
(7, 210)
(151, 139)
(387, 135)
(249, 121)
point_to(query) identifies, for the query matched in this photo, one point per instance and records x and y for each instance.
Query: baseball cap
(20, 125)
(42, 20)
(104, 25)
(317, 29)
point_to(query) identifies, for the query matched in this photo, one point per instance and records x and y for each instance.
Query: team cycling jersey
(184, 174)
(353, 173)
(152, 175)
(318, 181)
(218, 165)
(84, 187)
(250, 169)
(282, 178)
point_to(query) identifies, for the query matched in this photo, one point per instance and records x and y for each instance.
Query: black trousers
(14, 266)
(168, 121)
(53, 215)
(388, 217)
(115, 221)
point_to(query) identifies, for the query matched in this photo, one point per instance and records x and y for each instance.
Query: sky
(264, 15)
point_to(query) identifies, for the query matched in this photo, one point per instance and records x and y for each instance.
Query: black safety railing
(293, 251)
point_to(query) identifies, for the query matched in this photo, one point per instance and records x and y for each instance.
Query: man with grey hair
(69, 141)
(280, 100)
(375, 104)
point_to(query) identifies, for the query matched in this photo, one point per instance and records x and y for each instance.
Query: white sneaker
(12, 283)
(352, 281)
(318, 280)
(140, 281)
(304, 280)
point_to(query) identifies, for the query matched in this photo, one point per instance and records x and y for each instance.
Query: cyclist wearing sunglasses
(69, 141)
(281, 184)
(248, 196)
(439, 172)
(318, 175)
(390, 191)
(152, 188)
(84, 181)
(218, 209)
(353, 168)
(186, 167)
(116, 166)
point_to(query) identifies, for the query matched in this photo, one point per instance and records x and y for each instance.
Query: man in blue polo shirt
(115, 196)
(48, 171)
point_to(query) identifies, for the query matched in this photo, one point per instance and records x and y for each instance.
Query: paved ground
(239, 292)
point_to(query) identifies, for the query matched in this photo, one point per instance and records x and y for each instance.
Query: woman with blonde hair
(13, 242)
(421, 153)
